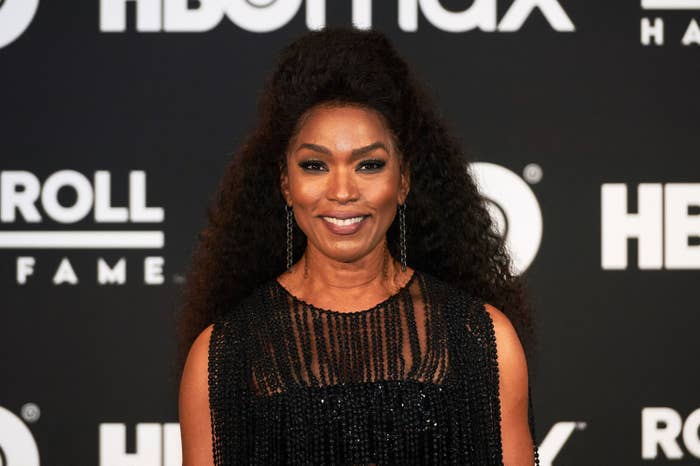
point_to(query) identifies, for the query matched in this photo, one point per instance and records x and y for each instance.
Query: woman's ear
(405, 185)
(284, 184)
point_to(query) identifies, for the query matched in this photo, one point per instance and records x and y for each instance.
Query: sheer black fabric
(413, 380)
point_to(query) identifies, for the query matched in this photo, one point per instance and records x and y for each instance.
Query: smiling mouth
(344, 221)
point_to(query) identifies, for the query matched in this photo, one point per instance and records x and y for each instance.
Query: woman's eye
(317, 165)
(311, 165)
(372, 165)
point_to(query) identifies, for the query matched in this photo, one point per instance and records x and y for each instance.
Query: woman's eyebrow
(355, 152)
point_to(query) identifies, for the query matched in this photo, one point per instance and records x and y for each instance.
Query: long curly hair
(450, 233)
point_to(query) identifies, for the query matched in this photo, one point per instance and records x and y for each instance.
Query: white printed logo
(514, 209)
(662, 226)
(156, 445)
(653, 33)
(556, 439)
(17, 444)
(661, 429)
(21, 193)
(270, 15)
(15, 17)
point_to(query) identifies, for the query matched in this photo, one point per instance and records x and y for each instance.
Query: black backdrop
(592, 122)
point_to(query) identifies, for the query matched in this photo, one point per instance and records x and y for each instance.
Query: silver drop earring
(402, 234)
(290, 221)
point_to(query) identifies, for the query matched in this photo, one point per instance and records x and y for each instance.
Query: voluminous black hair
(449, 231)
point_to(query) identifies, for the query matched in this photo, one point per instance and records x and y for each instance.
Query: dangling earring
(289, 236)
(402, 234)
(385, 267)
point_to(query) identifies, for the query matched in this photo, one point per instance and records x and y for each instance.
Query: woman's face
(341, 168)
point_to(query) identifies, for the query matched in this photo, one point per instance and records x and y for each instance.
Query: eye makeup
(374, 164)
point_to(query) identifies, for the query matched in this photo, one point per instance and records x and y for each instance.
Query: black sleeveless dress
(413, 380)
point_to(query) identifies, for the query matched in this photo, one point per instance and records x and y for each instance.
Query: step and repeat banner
(117, 118)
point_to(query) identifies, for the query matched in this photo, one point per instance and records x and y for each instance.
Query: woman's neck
(318, 278)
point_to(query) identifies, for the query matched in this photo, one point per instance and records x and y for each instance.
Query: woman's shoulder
(198, 353)
(194, 375)
(193, 402)
(249, 304)
(445, 289)
(483, 318)
(466, 299)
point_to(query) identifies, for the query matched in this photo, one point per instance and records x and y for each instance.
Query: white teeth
(347, 221)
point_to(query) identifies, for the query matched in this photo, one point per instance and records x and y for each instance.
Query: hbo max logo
(15, 18)
(269, 15)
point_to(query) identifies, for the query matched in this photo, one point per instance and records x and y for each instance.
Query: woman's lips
(344, 229)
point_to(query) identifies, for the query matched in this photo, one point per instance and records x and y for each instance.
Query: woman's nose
(342, 185)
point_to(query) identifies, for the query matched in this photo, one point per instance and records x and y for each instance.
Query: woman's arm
(193, 405)
(518, 448)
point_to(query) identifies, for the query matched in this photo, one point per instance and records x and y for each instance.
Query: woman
(351, 355)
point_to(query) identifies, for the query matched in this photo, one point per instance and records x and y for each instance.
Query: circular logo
(17, 444)
(15, 17)
(514, 209)
(261, 15)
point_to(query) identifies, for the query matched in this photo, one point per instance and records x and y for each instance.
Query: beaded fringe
(413, 380)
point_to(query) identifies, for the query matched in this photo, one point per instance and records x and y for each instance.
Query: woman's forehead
(342, 128)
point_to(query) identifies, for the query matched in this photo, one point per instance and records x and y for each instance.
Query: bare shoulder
(193, 404)
(502, 325)
(201, 343)
(195, 372)
(513, 390)
(511, 354)
(197, 360)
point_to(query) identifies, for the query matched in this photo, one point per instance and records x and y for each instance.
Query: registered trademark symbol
(178, 279)
(30, 412)
(581, 425)
(532, 173)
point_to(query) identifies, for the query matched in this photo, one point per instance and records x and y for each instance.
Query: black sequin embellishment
(413, 380)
